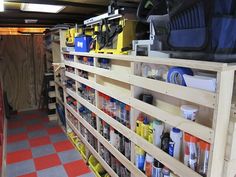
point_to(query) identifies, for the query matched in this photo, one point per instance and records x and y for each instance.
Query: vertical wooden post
(132, 121)
(221, 118)
(97, 104)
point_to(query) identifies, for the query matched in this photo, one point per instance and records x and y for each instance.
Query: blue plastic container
(82, 43)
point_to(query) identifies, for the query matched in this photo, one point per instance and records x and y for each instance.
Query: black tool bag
(205, 26)
(223, 29)
(188, 27)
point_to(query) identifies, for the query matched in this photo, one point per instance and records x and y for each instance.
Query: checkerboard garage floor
(39, 148)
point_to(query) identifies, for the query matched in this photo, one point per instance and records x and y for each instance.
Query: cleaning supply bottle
(106, 130)
(203, 158)
(127, 148)
(107, 109)
(150, 132)
(175, 143)
(148, 165)
(157, 169)
(113, 107)
(122, 143)
(122, 113)
(112, 136)
(158, 129)
(140, 158)
(190, 151)
(117, 140)
(127, 121)
(139, 124)
(145, 128)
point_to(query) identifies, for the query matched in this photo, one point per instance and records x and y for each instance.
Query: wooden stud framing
(221, 117)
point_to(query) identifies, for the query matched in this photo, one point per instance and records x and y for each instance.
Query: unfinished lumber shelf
(122, 83)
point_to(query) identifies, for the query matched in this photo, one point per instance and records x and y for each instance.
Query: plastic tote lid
(189, 108)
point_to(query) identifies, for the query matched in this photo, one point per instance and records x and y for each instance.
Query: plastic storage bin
(82, 43)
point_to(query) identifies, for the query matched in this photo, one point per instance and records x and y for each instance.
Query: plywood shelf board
(184, 93)
(119, 95)
(116, 75)
(197, 96)
(193, 128)
(203, 65)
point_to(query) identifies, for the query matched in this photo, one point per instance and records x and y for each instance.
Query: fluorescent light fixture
(31, 21)
(1, 5)
(41, 8)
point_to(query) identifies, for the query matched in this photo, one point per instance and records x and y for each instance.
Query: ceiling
(76, 11)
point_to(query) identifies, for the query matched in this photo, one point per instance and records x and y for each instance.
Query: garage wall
(22, 68)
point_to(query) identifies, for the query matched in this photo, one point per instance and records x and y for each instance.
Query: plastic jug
(175, 143)
(158, 129)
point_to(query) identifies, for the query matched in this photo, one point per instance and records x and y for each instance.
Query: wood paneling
(22, 69)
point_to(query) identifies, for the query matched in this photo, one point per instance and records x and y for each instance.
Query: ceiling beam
(59, 2)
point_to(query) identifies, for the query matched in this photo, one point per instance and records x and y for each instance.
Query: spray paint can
(157, 169)
(112, 136)
(139, 124)
(145, 129)
(148, 165)
(140, 158)
(165, 172)
(122, 143)
(118, 165)
(117, 140)
(113, 163)
(165, 139)
(127, 148)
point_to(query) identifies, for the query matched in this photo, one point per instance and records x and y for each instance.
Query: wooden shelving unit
(123, 84)
(58, 41)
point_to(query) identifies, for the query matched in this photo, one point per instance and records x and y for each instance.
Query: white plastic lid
(149, 158)
(189, 108)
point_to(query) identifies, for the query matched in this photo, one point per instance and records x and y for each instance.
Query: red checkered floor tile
(39, 148)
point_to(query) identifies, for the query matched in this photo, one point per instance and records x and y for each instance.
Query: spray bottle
(145, 129)
(139, 124)
(140, 158)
